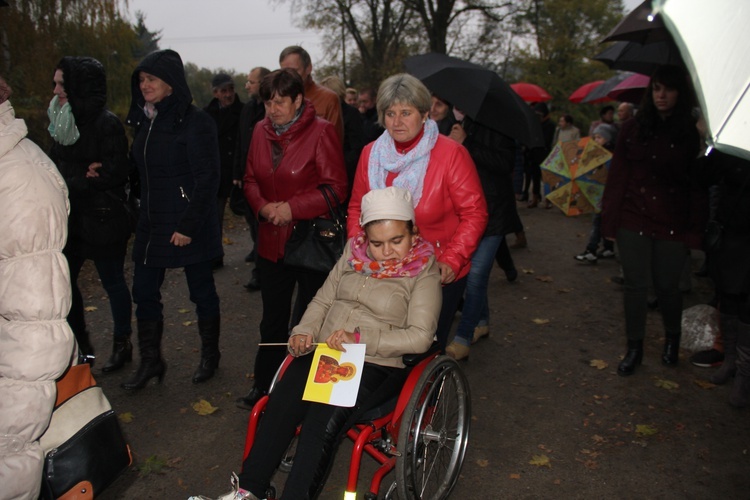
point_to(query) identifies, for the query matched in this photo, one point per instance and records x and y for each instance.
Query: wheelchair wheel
(434, 432)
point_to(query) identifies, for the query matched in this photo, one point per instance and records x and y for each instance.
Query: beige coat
(36, 344)
(395, 316)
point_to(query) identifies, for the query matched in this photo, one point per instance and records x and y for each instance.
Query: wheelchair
(422, 434)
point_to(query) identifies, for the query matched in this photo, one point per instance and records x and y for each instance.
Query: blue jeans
(476, 307)
(147, 283)
(596, 235)
(112, 277)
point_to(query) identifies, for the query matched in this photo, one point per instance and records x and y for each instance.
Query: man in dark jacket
(252, 112)
(366, 107)
(95, 167)
(225, 109)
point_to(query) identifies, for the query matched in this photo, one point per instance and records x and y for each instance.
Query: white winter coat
(36, 344)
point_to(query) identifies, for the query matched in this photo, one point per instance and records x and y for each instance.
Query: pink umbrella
(530, 92)
(581, 92)
(631, 89)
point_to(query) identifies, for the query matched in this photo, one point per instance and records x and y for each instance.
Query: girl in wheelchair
(384, 292)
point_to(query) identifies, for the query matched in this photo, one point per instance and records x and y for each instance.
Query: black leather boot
(247, 402)
(728, 324)
(633, 358)
(149, 345)
(671, 350)
(209, 331)
(122, 352)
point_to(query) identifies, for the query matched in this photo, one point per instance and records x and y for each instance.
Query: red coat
(310, 155)
(452, 213)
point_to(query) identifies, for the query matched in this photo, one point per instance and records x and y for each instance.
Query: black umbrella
(641, 26)
(480, 93)
(644, 59)
(599, 94)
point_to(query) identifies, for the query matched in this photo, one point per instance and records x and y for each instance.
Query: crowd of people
(430, 198)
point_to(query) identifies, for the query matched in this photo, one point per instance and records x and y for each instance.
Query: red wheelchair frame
(430, 420)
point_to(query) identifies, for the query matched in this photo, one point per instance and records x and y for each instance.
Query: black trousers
(323, 428)
(277, 282)
(452, 294)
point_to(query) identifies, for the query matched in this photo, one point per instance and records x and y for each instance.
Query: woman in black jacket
(177, 153)
(91, 153)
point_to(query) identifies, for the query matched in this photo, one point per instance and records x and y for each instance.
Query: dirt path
(546, 424)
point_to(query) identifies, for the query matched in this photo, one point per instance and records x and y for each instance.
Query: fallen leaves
(598, 364)
(482, 462)
(152, 465)
(90, 309)
(203, 407)
(666, 384)
(514, 476)
(527, 271)
(125, 418)
(703, 384)
(540, 461)
(183, 310)
(187, 323)
(544, 279)
(540, 321)
(644, 430)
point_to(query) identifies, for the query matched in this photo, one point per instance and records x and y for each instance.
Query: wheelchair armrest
(414, 359)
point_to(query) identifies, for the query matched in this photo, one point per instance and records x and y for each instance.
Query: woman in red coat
(292, 152)
(451, 212)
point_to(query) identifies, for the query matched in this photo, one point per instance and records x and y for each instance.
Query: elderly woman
(449, 204)
(292, 152)
(176, 151)
(654, 210)
(384, 292)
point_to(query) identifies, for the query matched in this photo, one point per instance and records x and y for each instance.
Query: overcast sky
(232, 34)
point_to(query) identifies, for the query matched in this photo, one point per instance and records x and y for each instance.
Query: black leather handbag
(84, 448)
(317, 244)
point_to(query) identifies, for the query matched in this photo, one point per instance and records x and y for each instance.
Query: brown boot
(740, 395)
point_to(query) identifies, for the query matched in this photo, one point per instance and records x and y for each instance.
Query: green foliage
(564, 35)
(93, 28)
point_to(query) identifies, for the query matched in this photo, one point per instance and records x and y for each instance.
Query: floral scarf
(408, 267)
(410, 166)
(62, 124)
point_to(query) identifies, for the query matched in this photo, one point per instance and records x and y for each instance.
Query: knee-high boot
(149, 345)
(633, 358)
(729, 325)
(209, 331)
(740, 395)
(671, 352)
(122, 352)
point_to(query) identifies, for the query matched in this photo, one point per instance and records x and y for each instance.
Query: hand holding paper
(300, 344)
(340, 337)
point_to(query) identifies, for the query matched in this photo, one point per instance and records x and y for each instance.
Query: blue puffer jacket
(177, 154)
